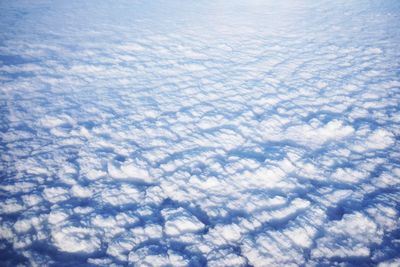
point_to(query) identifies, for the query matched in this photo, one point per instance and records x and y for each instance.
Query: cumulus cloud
(352, 236)
(76, 239)
(191, 134)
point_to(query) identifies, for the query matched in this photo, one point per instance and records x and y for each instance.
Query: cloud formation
(192, 134)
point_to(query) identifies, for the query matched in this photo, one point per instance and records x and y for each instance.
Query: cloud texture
(193, 133)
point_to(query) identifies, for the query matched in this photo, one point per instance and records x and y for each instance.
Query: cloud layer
(192, 133)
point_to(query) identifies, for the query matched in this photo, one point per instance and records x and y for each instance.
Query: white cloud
(179, 222)
(350, 237)
(190, 134)
(74, 239)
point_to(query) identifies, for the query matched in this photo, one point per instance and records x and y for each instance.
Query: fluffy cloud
(192, 134)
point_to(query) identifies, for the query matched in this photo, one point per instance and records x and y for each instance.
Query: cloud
(191, 134)
(76, 240)
(350, 237)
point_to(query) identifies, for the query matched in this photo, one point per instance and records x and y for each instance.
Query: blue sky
(198, 133)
